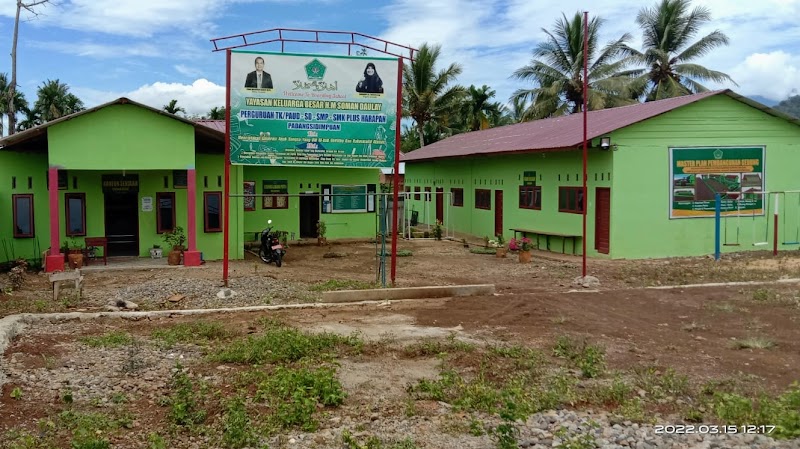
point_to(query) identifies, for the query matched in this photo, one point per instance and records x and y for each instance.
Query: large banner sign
(698, 174)
(312, 110)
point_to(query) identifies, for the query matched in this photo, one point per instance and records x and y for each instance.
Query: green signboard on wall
(312, 110)
(349, 198)
(698, 174)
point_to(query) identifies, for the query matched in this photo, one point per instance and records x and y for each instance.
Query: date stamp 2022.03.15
(712, 429)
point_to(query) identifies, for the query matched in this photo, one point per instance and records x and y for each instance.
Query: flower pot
(155, 253)
(174, 257)
(75, 260)
(524, 257)
(501, 253)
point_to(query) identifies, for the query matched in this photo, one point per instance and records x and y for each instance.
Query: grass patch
(753, 343)
(341, 284)
(435, 347)
(404, 253)
(373, 442)
(114, 339)
(199, 332)
(482, 250)
(282, 344)
(590, 359)
(780, 411)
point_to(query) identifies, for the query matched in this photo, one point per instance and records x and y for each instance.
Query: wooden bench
(72, 276)
(548, 234)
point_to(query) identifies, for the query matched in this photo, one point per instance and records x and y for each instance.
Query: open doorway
(122, 223)
(309, 215)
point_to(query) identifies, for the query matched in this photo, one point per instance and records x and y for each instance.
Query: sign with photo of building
(698, 174)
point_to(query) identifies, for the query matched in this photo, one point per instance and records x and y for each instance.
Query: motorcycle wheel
(264, 256)
(278, 259)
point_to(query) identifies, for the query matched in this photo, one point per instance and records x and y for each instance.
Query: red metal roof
(216, 125)
(558, 133)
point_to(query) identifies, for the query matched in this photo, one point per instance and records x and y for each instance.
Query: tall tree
(426, 95)
(668, 31)
(557, 71)
(477, 111)
(173, 107)
(53, 100)
(10, 98)
(20, 104)
(217, 113)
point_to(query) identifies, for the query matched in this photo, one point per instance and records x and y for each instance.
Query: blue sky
(156, 50)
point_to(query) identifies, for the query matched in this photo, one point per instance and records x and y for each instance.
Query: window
(530, 197)
(23, 215)
(212, 211)
(416, 193)
(570, 199)
(458, 197)
(427, 193)
(483, 199)
(278, 194)
(165, 216)
(76, 213)
(180, 179)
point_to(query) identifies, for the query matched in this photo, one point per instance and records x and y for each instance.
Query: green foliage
(281, 344)
(373, 442)
(404, 253)
(185, 401)
(582, 439)
(435, 347)
(195, 332)
(438, 230)
(482, 250)
(174, 238)
(295, 392)
(341, 284)
(114, 339)
(590, 359)
(237, 428)
(16, 393)
(506, 434)
(782, 411)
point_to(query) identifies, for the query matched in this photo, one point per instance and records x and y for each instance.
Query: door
(440, 204)
(309, 215)
(122, 223)
(498, 212)
(602, 220)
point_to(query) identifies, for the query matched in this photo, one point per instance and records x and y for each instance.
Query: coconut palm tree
(476, 111)
(426, 95)
(173, 107)
(557, 71)
(53, 100)
(217, 113)
(668, 31)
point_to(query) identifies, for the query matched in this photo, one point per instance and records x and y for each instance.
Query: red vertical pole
(191, 206)
(54, 260)
(585, 128)
(396, 178)
(226, 188)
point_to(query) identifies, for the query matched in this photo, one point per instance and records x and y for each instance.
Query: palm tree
(557, 71)
(20, 104)
(217, 113)
(54, 101)
(669, 28)
(32, 119)
(173, 107)
(477, 112)
(517, 110)
(426, 97)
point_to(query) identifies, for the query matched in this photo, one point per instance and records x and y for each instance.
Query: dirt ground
(693, 330)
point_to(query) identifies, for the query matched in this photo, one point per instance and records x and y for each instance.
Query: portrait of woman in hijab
(370, 83)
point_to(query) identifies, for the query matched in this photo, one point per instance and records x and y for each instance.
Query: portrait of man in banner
(258, 78)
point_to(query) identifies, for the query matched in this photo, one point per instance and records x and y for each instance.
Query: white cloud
(99, 50)
(186, 70)
(773, 75)
(197, 98)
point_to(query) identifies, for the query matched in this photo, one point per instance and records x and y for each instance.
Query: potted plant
(438, 230)
(155, 252)
(75, 254)
(524, 246)
(499, 244)
(322, 228)
(174, 240)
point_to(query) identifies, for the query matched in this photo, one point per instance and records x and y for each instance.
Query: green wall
(640, 222)
(505, 173)
(23, 165)
(304, 180)
(121, 137)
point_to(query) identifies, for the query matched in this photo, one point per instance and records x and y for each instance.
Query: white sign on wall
(147, 204)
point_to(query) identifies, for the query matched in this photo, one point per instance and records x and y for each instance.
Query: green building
(128, 173)
(653, 172)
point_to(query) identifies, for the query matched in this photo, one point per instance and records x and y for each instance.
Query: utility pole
(12, 85)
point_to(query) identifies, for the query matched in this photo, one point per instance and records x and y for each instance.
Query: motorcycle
(271, 249)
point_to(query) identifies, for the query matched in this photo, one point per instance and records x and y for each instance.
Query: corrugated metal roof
(560, 133)
(216, 125)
